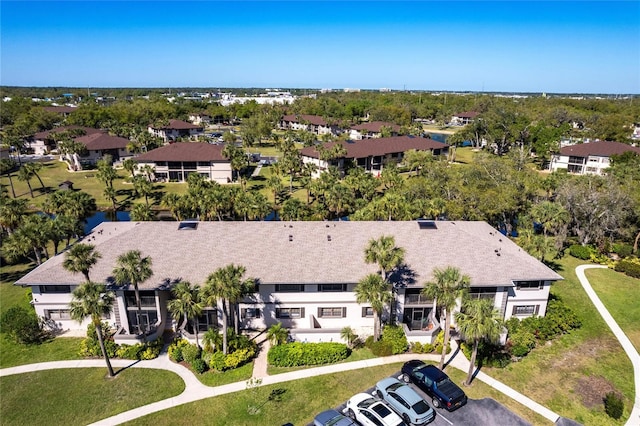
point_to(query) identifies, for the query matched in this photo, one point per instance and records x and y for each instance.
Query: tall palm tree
(142, 213)
(81, 258)
(375, 291)
(187, 304)
(449, 285)
(93, 300)
(477, 321)
(133, 269)
(25, 174)
(388, 256)
(277, 334)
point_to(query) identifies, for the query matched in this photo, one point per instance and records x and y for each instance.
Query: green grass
(571, 374)
(239, 374)
(465, 155)
(620, 294)
(300, 401)
(81, 396)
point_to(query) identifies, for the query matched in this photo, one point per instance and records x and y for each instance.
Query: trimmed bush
(521, 342)
(394, 336)
(216, 361)
(381, 348)
(297, 353)
(581, 252)
(630, 267)
(623, 250)
(176, 348)
(613, 405)
(439, 342)
(22, 325)
(90, 347)
(190, 353)
(238, 358)
(140, 351)
(199, 366)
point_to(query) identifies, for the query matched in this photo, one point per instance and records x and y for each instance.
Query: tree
(106, 173)
(186, 304)
(143, 188)
(93, 300)
(142, 213)
(277, 334)
(375, 291)
(449, 285)
(552, 216)
(25, 174)
(110, 194)
(388, 257)
(133, 269)
(131, 166)
(81, 258)
(227, 285)
(12, 212)
(347, 334)
(477, 321)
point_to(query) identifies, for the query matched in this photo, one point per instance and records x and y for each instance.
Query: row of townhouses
(306, 274)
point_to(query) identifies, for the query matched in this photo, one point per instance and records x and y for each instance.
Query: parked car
(332, 418)
(405, 401)
(435, 383)
(370, 411)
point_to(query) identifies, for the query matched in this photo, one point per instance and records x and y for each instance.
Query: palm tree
(110, 194)
(187, 304)
(93, 300)
(12, 211)
(388, 256)
(212, 340)
(349, 336)
(277, 334)
(131, 166)
(81, 258)
(375, 291)
(143, 188)
(449, 285)
(142, 213)
(133, 269)
(226, 284)
(477, 321)
(25, 174)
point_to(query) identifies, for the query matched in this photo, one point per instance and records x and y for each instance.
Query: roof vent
(290, 237)
(188, 226)
(328, 237)
(427, 224)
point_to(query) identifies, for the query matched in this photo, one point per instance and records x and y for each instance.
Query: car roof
(408, 394)
(333, 418)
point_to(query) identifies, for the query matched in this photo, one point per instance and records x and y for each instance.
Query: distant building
(176, 129)
(591, 158)
(464, 118)
(373, 130)
(44, 142)
(310, 123)
(62, 110)
(176, 161)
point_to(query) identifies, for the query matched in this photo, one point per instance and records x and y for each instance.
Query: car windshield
(420, 407)
(382, 410)
(394, 386)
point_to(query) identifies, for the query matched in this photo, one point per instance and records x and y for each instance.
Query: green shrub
(139, 351)
(199, 366)
(190, 353)
(623, 250)
(216, 361)
(176, 348)
(416, 347)
(22, 325)
(439, 342)
(368, 341)
(395, 336)
(129, 351)
(630, 267)
(613, 405)
(581, 252)
(90, 346)
(297, 353)
(238, 358)
(521, 342)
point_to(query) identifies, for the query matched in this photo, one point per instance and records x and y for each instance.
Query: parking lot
(477, 412)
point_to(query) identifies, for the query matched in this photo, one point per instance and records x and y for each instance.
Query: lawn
(81, 396)
(239, 374)
(620, 294)
(465, 155)
(572, 374)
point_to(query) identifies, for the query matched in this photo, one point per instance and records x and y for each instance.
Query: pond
(98, 217)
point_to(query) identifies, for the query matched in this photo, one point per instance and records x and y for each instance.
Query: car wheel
(405, 378)
(436, 402)
(351, 414)
(406, 419)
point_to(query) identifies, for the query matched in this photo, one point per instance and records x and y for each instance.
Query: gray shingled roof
(265, 249)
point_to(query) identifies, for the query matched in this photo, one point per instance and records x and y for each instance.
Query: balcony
(417, 299)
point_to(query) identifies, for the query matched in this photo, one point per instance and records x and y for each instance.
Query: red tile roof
(600, 148)
(381, 146)
(98, 141)
(177, 125)
(316, 120)
(375, 126)
(184, 151)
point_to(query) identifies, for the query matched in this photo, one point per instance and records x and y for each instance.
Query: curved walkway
(632, 353)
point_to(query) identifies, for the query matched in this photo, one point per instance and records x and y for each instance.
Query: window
(289, 288)
(332, 312)
(332, 287)
(289, 312)
(529, 285)
(55, 289)
(483, 292)
(58, 314)
(147, 300)
(248, 313)
(526, 310)
(367, 312)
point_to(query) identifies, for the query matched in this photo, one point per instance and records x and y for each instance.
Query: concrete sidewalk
(632, 353)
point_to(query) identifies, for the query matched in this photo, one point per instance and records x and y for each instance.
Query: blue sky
(511, 46)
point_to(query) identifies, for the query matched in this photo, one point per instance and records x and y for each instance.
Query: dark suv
(435, 383)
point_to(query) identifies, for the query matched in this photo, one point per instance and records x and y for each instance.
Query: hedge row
(297, 353)
(630, 267)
